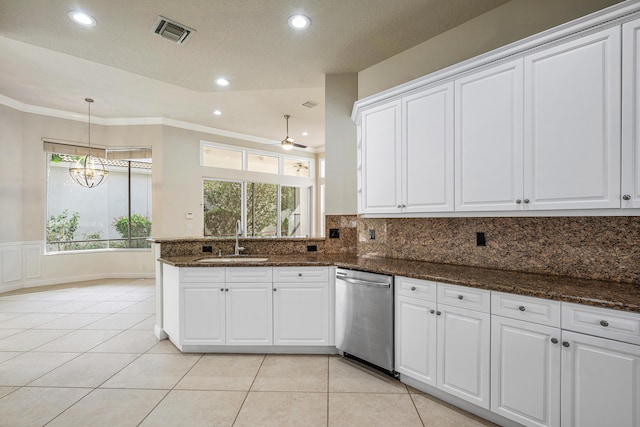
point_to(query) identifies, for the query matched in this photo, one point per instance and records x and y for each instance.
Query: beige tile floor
(84, 354)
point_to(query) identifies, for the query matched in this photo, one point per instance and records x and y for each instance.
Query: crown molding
(139, 121)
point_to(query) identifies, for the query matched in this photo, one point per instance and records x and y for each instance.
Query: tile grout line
(264, 357)
(172, 388)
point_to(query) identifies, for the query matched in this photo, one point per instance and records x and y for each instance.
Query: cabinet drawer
(537, 310)
(602, 322)
(248, 274)
(300, 274)
(202, 275)
(416, 288)
(462, 296)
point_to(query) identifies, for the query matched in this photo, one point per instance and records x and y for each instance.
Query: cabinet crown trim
(608, 17)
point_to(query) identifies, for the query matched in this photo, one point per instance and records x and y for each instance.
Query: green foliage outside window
(140, 227)
(62, 229)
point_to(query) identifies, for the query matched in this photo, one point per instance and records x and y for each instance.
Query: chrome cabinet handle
(518, 201)
(526, 200)
(399, 206)
(432, 311)
(221, 289)
(413, 288)
(299, 274)
(626, 197)
(565, 343)
(522, 308)
(275, 289)
(438, 313)
(460, 297)
(604, 323)
(554, 340)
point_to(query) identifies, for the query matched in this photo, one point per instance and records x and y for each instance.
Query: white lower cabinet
(600, 382)
(301, 313)
(248, 316)
(416, 338)
(464, 354)
(525, 372)
(203, 316)
(248, 306)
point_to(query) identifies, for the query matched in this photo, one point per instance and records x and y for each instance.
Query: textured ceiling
(132, 72)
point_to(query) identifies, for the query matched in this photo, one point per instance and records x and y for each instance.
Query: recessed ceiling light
(299, 22)
(82, 18)
(217, 112)
(221, 81)
(305, 133)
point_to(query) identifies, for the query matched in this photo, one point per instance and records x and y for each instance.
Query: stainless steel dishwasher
(364, 317)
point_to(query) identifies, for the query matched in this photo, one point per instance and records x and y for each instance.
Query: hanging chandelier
(89, 171)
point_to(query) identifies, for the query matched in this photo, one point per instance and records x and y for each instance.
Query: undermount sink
(231, 260)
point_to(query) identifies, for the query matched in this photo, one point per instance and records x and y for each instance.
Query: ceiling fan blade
(299, 145)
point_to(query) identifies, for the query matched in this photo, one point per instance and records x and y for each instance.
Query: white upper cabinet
(381, 159)
(407, 154)
(631, 114)
(572, 124)
(427, 150)
(488, 139)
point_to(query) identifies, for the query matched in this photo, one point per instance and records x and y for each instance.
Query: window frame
(243, 208)
(48, 153)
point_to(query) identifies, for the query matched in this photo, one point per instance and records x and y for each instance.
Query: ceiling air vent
(309, 104)
(171, 30)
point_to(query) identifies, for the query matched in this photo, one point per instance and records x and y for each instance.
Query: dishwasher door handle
(364, 282)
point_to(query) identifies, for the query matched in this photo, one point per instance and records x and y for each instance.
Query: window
(262, 163)
(296, 167)
(221, 158)
(270, 210)
(116, 214)
(222, 207)
(270, 193)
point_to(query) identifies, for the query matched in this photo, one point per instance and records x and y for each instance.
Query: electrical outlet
(312, 248)
(334, 233)
(481, 239)
(372, 234)
(207, 249)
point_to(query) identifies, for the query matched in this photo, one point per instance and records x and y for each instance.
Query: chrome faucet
(238, 248)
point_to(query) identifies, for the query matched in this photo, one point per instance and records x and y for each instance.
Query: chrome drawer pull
(604, 323)
(522, 308)
(460, 297)
(413, 288)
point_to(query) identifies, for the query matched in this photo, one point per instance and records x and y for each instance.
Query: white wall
(341, 91)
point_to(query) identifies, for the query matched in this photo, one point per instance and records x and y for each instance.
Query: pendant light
(89, 171)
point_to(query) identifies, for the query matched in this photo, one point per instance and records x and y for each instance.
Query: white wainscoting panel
(32, 255)
(11, 261)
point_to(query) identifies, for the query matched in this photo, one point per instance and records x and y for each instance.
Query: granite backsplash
(252, 246)
(603, 248)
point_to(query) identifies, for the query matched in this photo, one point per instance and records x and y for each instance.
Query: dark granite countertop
(620, 296)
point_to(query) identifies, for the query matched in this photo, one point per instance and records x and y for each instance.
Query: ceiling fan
(288, 143)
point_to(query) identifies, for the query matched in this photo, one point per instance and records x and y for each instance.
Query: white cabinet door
(381, 159)
(600, 382)
(249, 314)
(572, 124)
(415, 338)
(427, 150)
(631, 114)
(525, 372)
(464, 354)
(301, 313)
(203, 314)
(488, 139)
